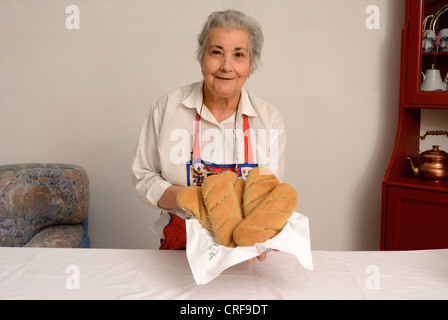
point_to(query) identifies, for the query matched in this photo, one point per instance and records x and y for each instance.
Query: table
(38, 273)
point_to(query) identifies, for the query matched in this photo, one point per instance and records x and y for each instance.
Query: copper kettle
(433, 163)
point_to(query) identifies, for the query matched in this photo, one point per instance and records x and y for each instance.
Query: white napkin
(207, 259)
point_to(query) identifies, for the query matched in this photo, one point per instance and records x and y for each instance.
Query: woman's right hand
(168, 199)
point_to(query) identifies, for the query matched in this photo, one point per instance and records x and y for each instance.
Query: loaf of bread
(239, 212)
(268, 218)
(259, 183)
(222, 196)
(190, 200)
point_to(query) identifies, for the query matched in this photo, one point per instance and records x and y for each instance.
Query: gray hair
(233, 19)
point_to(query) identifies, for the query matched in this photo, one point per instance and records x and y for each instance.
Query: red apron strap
(248, 156)
(197, 138)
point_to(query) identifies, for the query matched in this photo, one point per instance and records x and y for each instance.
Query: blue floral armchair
(44, 205)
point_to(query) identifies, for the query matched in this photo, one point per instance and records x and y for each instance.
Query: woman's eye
(241, 54)
(216, 52)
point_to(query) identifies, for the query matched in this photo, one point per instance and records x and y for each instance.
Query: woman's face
(226, 62)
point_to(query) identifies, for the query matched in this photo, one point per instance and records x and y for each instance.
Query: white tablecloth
(32, 273)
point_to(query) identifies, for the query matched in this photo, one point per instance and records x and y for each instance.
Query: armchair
(44, 205)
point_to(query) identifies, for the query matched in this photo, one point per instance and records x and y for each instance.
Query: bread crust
(260, 182)
(190, 200)
(269, 218)
(223, 202)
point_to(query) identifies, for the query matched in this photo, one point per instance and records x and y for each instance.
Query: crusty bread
(222, 195)
(219, 204)
(190, 200)
(239, 189)
(260, 182)
(268, 218)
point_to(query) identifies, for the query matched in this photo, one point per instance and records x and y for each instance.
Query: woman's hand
(168, 199)
(261, 257)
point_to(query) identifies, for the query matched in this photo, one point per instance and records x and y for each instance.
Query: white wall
(433, 120)
(81, 96)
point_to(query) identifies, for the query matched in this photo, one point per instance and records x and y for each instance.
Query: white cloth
(165, 141)
(46, 273)
(207, 259)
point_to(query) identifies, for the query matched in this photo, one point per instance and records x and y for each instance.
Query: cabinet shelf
(430, 95)
(422, 107)
(438, 53)
(414, 182)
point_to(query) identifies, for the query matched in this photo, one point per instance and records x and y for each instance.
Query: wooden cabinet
(415, 211)
(418, 219)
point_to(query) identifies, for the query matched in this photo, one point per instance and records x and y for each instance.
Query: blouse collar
(194, 101)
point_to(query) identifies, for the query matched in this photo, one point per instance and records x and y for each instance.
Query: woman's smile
(223, 78)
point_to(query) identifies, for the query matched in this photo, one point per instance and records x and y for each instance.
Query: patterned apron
(175, 235)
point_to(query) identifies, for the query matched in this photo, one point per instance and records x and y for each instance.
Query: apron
(175, 235)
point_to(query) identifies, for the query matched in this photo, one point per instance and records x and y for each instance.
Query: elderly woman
(208, 126)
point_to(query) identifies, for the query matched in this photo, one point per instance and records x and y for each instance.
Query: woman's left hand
(261, 257)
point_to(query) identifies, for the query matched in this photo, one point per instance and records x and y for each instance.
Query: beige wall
(81, 96)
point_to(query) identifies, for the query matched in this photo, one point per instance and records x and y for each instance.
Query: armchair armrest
(61, 236)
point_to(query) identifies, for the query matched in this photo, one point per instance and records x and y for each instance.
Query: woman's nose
(226, 63)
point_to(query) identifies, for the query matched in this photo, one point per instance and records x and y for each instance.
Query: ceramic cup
(442, 46)
(429, 41)
(443, 34)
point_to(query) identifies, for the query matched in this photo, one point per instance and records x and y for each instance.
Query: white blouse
(166, 140)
